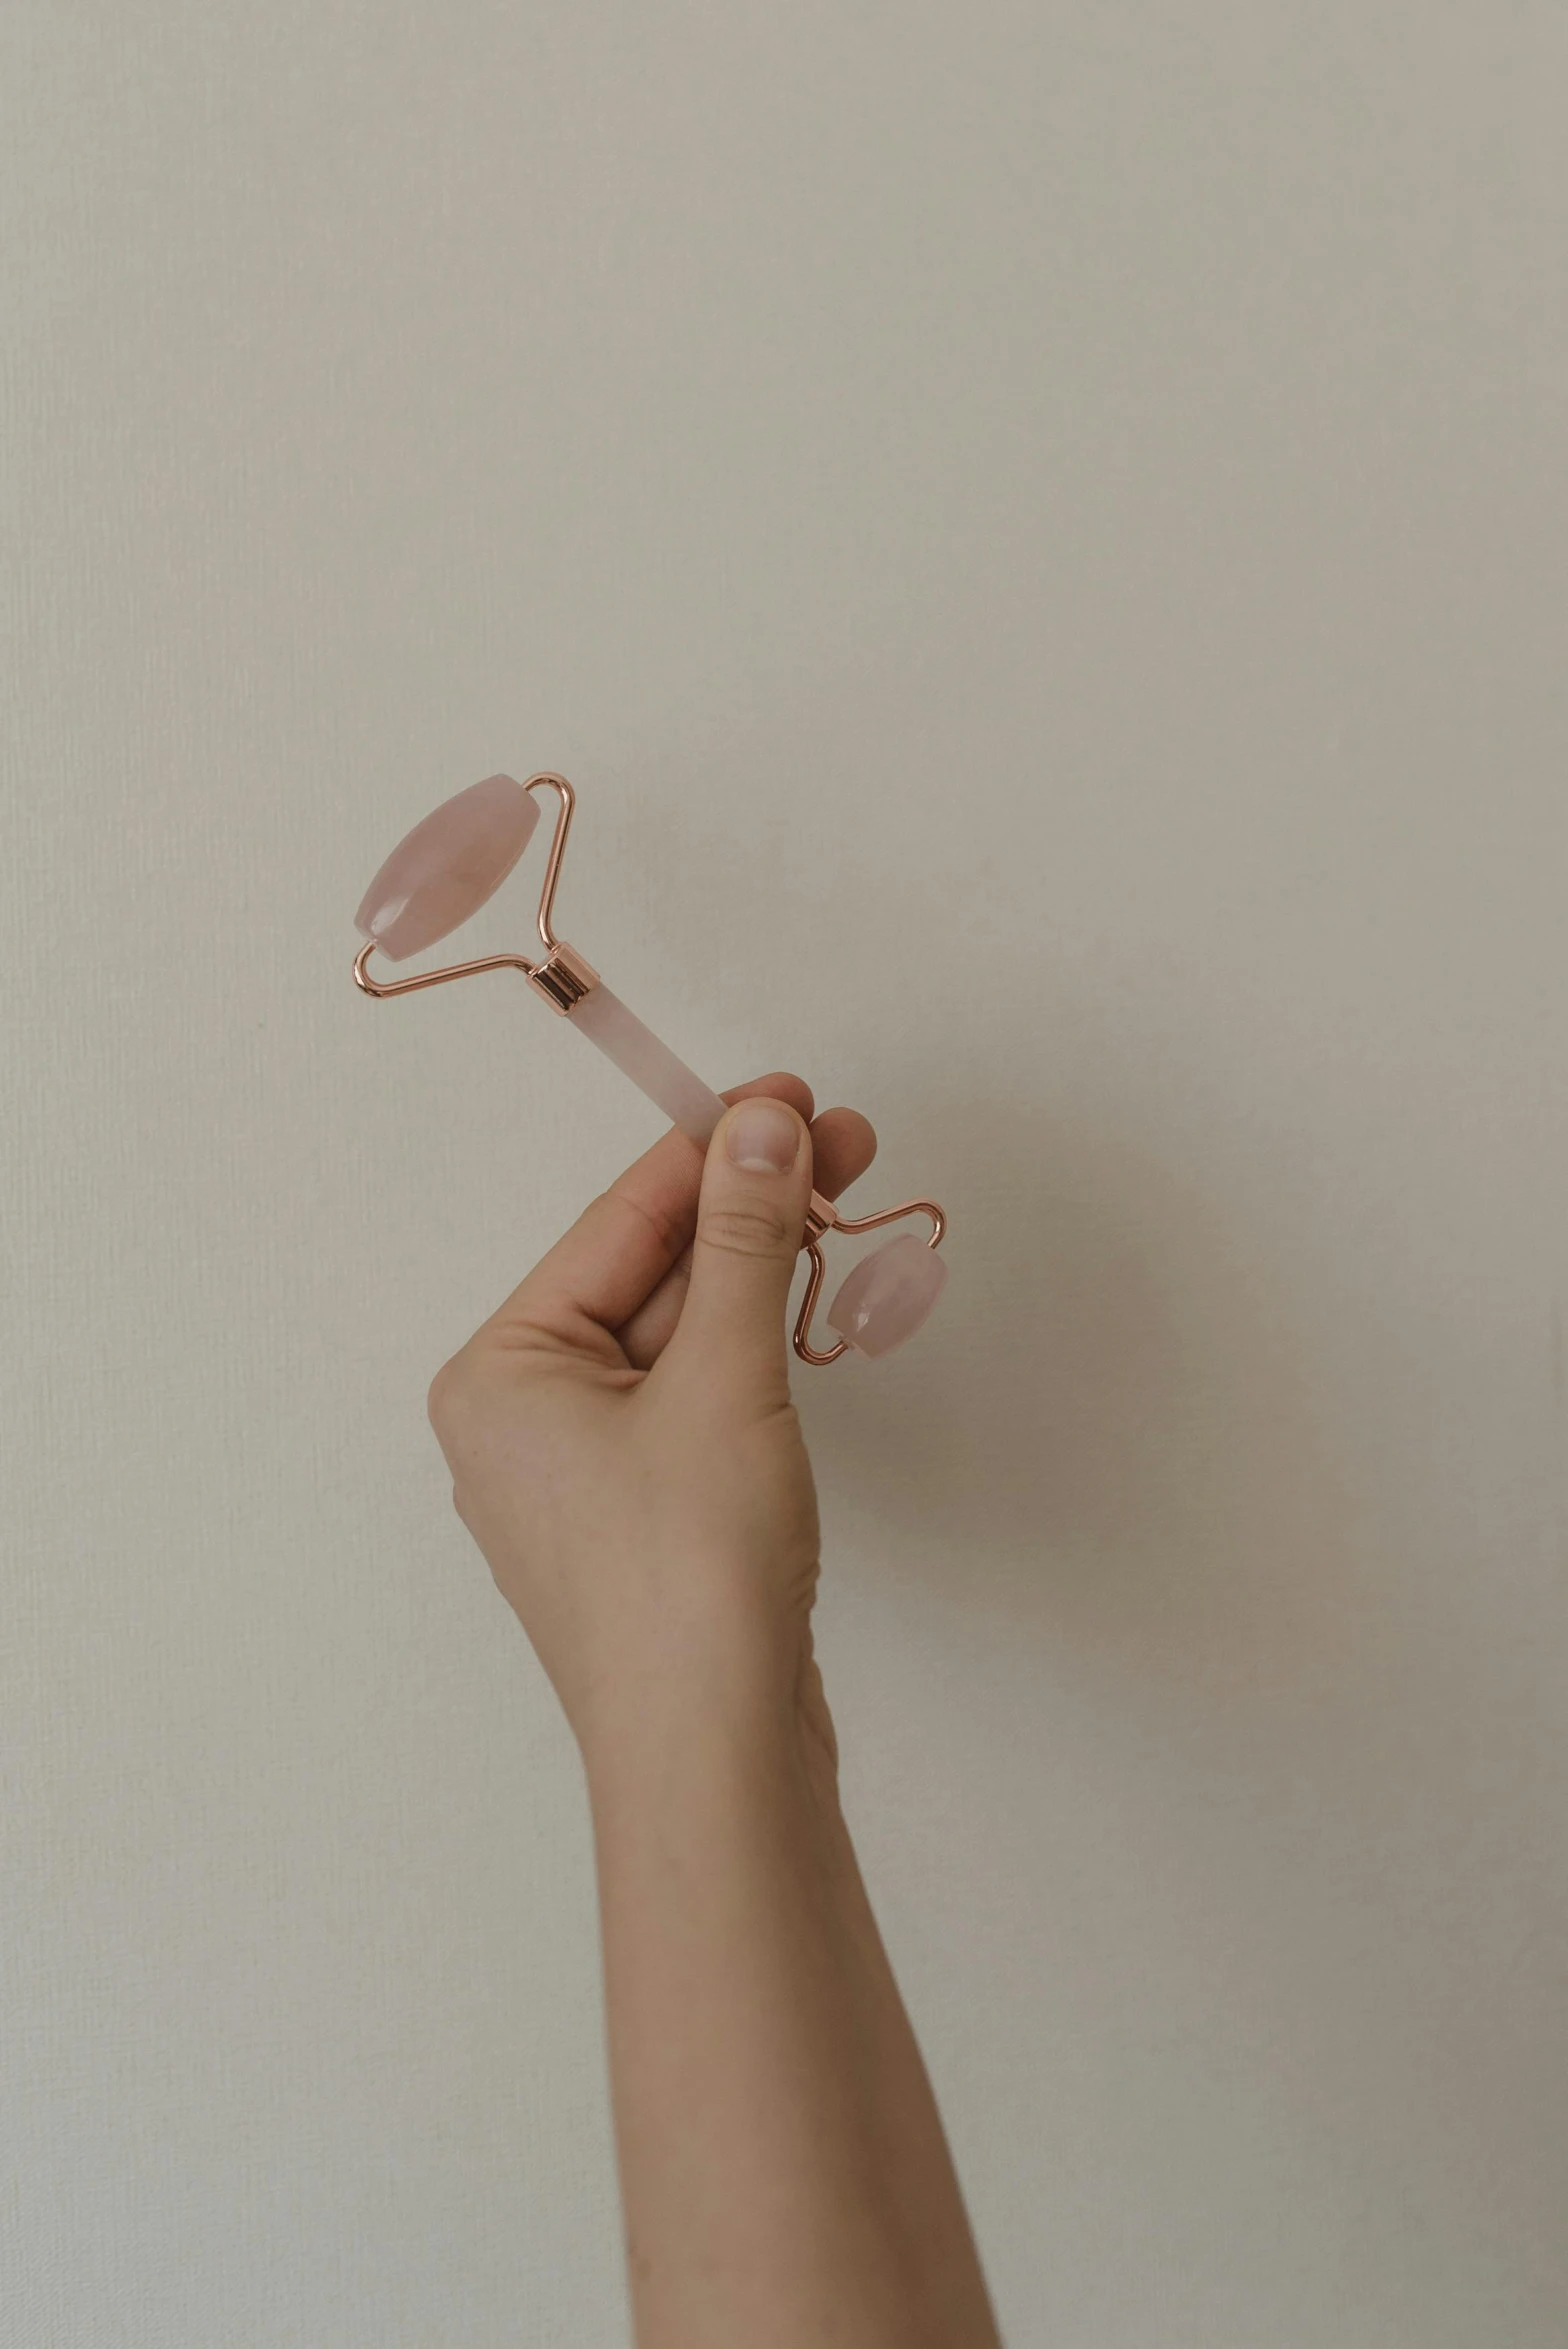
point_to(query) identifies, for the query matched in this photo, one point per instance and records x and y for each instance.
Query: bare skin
(626, 1455)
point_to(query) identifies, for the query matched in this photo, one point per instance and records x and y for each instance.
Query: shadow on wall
(1103, 1425)
(1110, 1443)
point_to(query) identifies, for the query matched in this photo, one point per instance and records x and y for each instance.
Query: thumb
(750, 1220)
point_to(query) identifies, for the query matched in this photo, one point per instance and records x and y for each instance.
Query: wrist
(690, 1641)
(723, 1743)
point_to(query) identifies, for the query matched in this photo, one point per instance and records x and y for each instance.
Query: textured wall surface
(1038, 530)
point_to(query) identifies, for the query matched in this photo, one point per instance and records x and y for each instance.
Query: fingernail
(762, 1138)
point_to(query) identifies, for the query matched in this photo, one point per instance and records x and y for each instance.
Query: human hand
(624, 1449)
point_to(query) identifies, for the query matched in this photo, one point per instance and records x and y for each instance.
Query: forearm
(784, 2169)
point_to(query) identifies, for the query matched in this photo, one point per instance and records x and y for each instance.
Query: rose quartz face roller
(446, 868)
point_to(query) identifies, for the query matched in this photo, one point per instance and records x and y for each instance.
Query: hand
(623, 1445)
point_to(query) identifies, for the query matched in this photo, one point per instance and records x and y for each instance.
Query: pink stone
(888, 1295)
(444, 869)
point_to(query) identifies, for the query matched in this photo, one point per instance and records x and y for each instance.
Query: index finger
(623, 1244)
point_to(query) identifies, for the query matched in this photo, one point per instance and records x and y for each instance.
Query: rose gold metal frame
(563, 977)
(822, 1217)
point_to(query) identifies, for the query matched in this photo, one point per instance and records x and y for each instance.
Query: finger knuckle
(665, 1222)
(445, 1397)
(745, 1230)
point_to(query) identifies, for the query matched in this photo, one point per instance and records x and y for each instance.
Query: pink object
(653, 1068)
(888, 1295)
(447, 867)
(444, 869)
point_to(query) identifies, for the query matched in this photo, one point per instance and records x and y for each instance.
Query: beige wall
(1039, 533)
